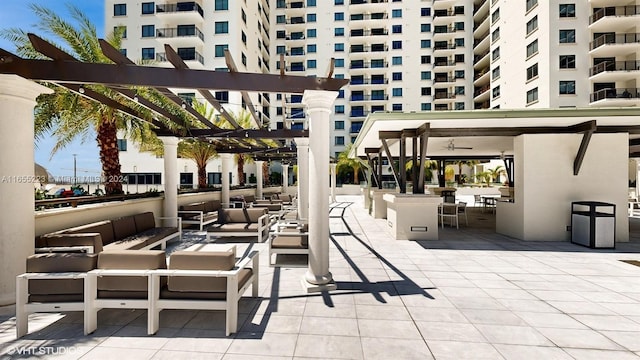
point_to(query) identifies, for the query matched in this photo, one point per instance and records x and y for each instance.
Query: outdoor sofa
(241, 222)
(200, 213)
(289, 238)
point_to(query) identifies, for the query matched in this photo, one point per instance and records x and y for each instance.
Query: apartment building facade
(403, 55)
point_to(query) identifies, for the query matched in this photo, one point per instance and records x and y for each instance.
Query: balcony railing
(444, 63)
(366, 65)
(615, 66)
(480, 56)
(444, 95)
(367, 81)
(372, 32)
(161, 57)
(180, 7)
(295, 20)
(358, 113)
(442, 13)
(295, 5)
(619, 93)
(359, 2)
(355, 128)
(359, 97)
(630, 10)
(180, 32)
(481, 90)
(443, 79)
(445, 46)
(374, 16)
(615, 39)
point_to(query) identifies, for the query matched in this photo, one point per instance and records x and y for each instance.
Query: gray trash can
(593, 224)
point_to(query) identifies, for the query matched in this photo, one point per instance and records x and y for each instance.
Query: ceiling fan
(451, 146)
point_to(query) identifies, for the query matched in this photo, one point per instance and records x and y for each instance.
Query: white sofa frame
(264, 224)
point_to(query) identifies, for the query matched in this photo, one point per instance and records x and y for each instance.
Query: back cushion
(82, 239)
(129, 260)
(144, 221)
(200, 260)
(254, 214)
(61, 262)
(212, 205)
(104, 228)
(123, 227)
(249, 198)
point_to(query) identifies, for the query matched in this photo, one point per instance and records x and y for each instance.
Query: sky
(16, 13)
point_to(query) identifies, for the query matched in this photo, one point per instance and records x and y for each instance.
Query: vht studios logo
(41, 350)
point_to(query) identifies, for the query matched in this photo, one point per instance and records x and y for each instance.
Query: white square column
(226, 168)
(17, 222)
(285, 178)
(302, 149)
(333, 182)
(259, 164)
(319, 105)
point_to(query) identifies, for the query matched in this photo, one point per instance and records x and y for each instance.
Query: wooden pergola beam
(231, 65)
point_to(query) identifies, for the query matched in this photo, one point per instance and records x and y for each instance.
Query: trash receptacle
(593, 224)
(449, 196)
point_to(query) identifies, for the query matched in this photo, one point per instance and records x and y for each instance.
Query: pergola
(19, 89)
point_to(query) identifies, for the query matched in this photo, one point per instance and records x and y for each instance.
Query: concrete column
(333, 183)
(259, 164)
(17, 224)
(285, 178)
(302, 145)
(319, 105)
(226, 168)
(171, 178)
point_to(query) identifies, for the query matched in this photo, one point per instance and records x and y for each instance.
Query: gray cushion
(80, 239)
(200, 260)
(103, 227)
(129, 260)
(144, 221)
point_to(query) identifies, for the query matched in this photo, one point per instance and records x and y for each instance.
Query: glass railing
(190, 31)
(608, 39)
(180, 7)
(618, 93)
(628, 65)
(630, 10)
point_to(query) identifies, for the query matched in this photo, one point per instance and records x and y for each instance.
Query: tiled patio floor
(473, 295)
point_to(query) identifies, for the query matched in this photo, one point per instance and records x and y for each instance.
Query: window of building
(396, 60)
(459, 26)
(458, 10)
(459, 74)
(532, 48)
(425, 59)
(311, 3)
(148, 8)
(425, 43)
(311, 33)
(243, 15)
(281, 19)
(425, 91)
(425, 27)
(425, 106)
(531, 4)
(338, 31)
(220, 50)
(459, 42)
(338, 124)
(222, 27)
(339, 109)
(396, 91)
(280, 49)
(311, 48)
(567, 87)
(339, 140)
(532, 25)
(425, 75)
(148, 31)
(338, 47)
(459, 90)
(568, 36)
(339, 63)
(458, 58)
(495, 92)
(495, 54)
(458, 106)
(495, 35)
(396, 44)
(495, 73)
(396, 107)
(532, 71)
(123, 52)
(396, 13)
(122, 29)
(339, 16)
(396, 29)
(311, 17)
(396, 76)
(122, 144)
(311, 64)
(222, 5)
(148, 53)
(120, 10)
(532, 95)
(338, 2)
(425, 12)
(567, 61)
(243, 37)
(281, 4)
(567, 10)
(495, 16)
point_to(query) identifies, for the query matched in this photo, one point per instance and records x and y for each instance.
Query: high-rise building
(409, 55)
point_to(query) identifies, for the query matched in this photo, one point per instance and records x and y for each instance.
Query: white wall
(546, 186)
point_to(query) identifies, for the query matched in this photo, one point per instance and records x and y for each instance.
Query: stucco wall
(546, 186)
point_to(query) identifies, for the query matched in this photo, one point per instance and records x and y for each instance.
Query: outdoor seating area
(473, 294)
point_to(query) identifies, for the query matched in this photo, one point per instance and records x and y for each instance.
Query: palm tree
(429, 165)
(344, 161)
(66, 115)
(460, 164)
(496, 172)
(200, 152)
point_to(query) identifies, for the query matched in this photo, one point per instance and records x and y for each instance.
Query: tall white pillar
(171, 178)
(319, 105)
(226, 168)
(285, 178)
(259, 164)
(17, 224)
(333, 183)
(302, 149)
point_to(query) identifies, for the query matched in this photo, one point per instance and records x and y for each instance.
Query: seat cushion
(290, 242)
(243, 276)
(64, 290)
(81, 239)
(103, 227)
(129, 260)
(123, 227)
(200, 260)
(234, 227)
(212, 205)
(144, 221)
